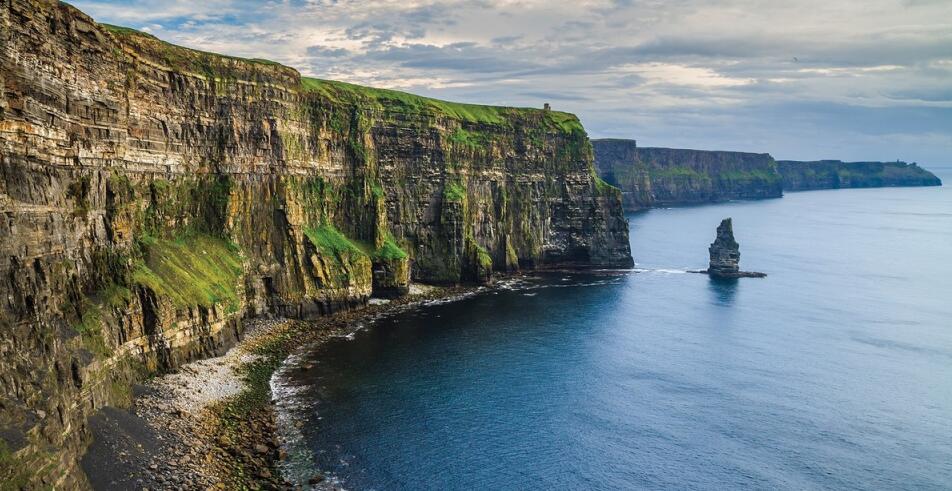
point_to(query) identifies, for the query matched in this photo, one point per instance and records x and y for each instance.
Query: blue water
(834, 372)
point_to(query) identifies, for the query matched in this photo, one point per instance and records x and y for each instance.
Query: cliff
(651, 177)
(835, 174)
(153, 196)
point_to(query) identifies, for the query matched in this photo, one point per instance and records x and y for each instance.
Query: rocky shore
(210, 424)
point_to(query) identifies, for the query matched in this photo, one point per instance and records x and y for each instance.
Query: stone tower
(725, 252)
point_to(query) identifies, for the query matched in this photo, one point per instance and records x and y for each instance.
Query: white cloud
(660, 71)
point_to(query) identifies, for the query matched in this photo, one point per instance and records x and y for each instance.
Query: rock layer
(650, 177)
(152, 196)
(725, 251)
(725, 255)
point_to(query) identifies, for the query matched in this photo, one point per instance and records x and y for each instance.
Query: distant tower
(546, 107)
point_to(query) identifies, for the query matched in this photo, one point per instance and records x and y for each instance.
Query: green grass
(454, 192)
(376, 190)
(13, 473)
(678, 172)
(485, 260)
(467, 138)
(93, 309)
(116, 296)
(343, 92)
(603, 187)
(194, 270)
(90, 330)
(331, 241)
(390, 251)
(212, 66)
(567, 122)
(755, 174)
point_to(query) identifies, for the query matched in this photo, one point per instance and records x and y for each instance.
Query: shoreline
(211, 424)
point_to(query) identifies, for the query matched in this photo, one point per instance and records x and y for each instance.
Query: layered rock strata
(725, 255)
(152, 196)
(652, 177)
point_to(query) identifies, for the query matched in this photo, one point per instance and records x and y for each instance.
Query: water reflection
(723, 290)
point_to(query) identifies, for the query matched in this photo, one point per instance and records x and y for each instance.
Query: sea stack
(725, 255)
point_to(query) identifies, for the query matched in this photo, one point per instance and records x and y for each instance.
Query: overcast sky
(801, 79)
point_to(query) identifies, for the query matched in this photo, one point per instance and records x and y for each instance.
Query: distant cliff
(651, 177)
(153, 196)
(834, 174)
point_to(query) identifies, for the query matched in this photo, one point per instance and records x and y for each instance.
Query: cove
(834, 372)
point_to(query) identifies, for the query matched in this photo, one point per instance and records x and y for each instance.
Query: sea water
(834, 372)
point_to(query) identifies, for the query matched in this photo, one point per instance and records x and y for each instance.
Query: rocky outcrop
(835, 174)
(153, 196)
(725, 251)
(725, 255)
(650, 177)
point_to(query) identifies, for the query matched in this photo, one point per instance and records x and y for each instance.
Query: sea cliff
(650, 177)
(835, 174)
(153, 196)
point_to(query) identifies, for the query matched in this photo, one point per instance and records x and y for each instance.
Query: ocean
(834, 372)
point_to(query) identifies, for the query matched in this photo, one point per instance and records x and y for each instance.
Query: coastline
(212, 423)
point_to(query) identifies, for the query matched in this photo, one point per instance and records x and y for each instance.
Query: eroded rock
(725, 255)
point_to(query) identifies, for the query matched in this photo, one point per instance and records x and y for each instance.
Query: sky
(800, 79)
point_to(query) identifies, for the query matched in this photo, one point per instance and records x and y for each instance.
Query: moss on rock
(191, 271)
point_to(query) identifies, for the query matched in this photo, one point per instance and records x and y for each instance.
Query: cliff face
(152, 196)
(651, 177)
(835, 174)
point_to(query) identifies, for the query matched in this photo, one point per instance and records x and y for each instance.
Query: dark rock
(725, 251)
(725, 255)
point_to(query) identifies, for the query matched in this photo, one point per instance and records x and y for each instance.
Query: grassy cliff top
(475, 113)
(216, 66)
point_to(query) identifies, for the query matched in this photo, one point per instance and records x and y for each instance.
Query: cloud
(806, 79)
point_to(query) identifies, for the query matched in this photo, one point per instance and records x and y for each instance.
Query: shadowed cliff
(650, 177)
(835, 174)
